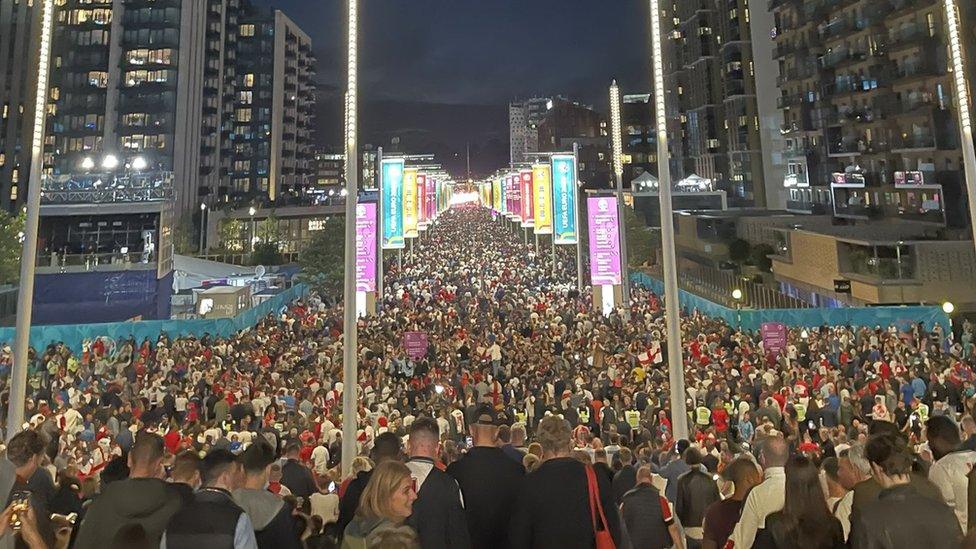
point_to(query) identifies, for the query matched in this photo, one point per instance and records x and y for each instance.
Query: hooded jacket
(148, 502)
(274, 525)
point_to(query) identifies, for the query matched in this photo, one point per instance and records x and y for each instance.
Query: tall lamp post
(961, 86)
(350, 380)
(203, 224)
(25, 295)
(672, 313)
(618, 170)
(254, 228)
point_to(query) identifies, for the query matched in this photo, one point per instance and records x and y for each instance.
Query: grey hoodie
(260, 505)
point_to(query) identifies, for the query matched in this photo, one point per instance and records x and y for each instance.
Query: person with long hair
(386, 503)
(805, 521)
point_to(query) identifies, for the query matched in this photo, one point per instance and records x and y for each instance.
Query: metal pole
(961, 86)
(25, 294)
(203, 224)
(525, 237)
(579, 230)
(536, 245)
(618, 168)
(676, 375)
(350, 374)
(552, 240)
(379, 226)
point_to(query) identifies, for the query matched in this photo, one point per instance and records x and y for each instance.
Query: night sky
(439, 74)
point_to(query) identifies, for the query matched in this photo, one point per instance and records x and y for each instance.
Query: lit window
(243, 115)
(249, 79)
(247, 30)
(15, 176)
(13, 193)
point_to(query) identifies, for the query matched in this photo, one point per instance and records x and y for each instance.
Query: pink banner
(528, 216)
(366, 247)
(604, 234)
(773, 336)
(421, 199)
(415, 343)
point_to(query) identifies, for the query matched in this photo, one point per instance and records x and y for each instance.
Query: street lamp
(139, 163)
(203, 217)
(254, 228)
(961, 87)
(350, 405)
(737, 296)
(87, 164)
(676, 374)
(28, 258)
(110, 162)
(618, 169)
(948, 307)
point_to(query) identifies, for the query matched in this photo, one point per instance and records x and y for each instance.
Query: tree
(758, 257)
(266, 253)
(184, 239)
(640, 242)
(11, 243)
(739, 250)
(231, 235)
(323, 258)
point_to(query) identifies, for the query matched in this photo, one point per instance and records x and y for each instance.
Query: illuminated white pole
(618, 170)
(579, 219)
(350, 381)
(28, 257)
(672, 313)
(962, 107)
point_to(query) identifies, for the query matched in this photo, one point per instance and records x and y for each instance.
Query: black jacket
(298, 479)
(350, 500)
(438, 516)
(490, 482)
(782, 534)
(148, 502)
(647, 516)
(210, 520)
(623, 482)
(903, 518)
(696, 490)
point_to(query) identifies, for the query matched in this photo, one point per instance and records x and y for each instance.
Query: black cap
(485, 414)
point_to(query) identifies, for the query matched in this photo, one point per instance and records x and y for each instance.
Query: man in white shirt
(766, 498)
(950, 473)
(320, 460)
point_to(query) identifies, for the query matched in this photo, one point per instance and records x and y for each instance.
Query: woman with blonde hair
(386, 503)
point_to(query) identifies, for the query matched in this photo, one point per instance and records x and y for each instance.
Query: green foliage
(11, 229)
(758, 257)
(231, 235)
(323, 259)
(266, 253)
(739, 250)
(185, 236)
(641, 245)
(269, 230)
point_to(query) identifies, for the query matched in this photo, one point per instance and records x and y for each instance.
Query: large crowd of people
(530, 420)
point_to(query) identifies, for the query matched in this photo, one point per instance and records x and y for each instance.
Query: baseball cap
(485, 415)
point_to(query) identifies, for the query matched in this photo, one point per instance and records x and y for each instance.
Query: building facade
(524, 118)
(728, 128)
(869, 111)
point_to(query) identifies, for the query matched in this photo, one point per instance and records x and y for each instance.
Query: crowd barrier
(751, 319)
(73, 335)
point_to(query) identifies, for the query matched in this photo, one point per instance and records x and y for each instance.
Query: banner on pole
(564, 199)
(366, 247)
(528, 218)
(410, 203)
(773, 336)
(415, 344)
(392, 183)
(422, 202)
(516, 185)
(604, 231)
(542, 199)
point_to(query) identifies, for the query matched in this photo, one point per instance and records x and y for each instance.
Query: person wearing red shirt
(720, 417)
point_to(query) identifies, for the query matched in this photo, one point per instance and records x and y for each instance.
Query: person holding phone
(21, 481)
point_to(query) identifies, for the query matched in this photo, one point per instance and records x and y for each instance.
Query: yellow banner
(496, 194)
(410, 203)
(542, 198)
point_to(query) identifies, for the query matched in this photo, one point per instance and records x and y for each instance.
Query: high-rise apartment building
(273, 107)
(524, 118)
(19, 20)
(869, 110)
(729, 133)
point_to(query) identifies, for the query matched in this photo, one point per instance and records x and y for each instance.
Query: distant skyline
(473, 53)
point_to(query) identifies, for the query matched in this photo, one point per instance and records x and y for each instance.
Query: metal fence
(717, 286)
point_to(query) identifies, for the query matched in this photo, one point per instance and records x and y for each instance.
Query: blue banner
(392, 183)
(564, 210)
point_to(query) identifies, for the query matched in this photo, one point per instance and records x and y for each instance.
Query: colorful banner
(773, 336)
(410, 203)
(431, 199)
(496, 195)
(415, 344)
(542, 199)
(366, 247)
(392, 183)
(516, 186)
(422, 202)
(604, 232)
(564, 216)
(528, 218)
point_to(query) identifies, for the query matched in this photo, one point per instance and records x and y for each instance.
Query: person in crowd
(696, 490)
(626, 478)
(805, 522)
(553, 509)
(674, 469)
(139, 507)
(950, 472)
(490, 481)
(387, 446)
(721, 516)
(852, 468)
(385, 505)
(438, 512)
(868, 490)
(21, 476)
(901, 517)
(185, 475)
(212, 518)
(271, 516)
(295, 475)
(764, 499)
(647, 515)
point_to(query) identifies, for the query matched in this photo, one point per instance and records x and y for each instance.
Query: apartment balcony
(836, 28)
(902, 7)
(787, 101)
(913, 143)
(913, 71)
(846, 147)
(783, 49)
(909, 36)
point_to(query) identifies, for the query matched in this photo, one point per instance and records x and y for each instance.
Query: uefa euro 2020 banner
(366, 247)
(564, 198)
(525, 180)
(410, 203)
(542, 199)
(604, 231)
(392, 183)
(422, 201)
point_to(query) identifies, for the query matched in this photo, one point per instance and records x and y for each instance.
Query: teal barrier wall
(751, 319)
(74, 334)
